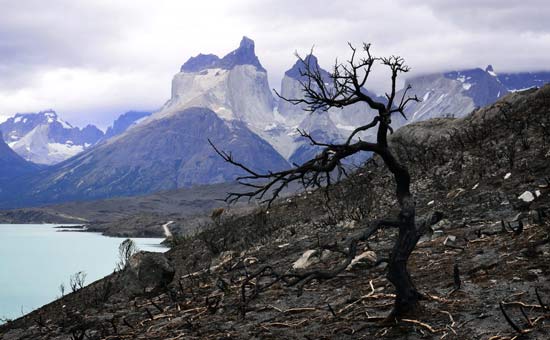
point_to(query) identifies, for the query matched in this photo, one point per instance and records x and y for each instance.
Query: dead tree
(346, 86)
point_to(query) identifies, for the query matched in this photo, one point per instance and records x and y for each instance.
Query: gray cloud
(59, 33)
(495, 15)
(91, 59)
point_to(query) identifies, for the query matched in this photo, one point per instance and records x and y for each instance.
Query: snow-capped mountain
(124, 122)
(291, 88)
(44, 138)
(321, 127)
(454, 93)
(523, 80)
(332, 126)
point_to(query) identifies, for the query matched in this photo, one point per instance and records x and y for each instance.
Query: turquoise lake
(36, 259)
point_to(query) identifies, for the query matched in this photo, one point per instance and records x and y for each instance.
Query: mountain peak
(200, 62)
(299, 66)
(489, 69)
(246, 43)
(243, 55)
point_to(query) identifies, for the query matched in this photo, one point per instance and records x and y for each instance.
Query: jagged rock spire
(243, 55)
(299, 66)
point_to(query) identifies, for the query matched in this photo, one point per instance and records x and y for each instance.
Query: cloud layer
(94, 59)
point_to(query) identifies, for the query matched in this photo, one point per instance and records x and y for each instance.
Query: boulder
(147, 272)
(527, 196)
(442, 225)
(306, 260)
(367, 258)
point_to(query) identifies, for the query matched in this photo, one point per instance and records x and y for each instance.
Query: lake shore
(36, 259)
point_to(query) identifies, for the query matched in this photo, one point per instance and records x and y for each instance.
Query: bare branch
(343, 87)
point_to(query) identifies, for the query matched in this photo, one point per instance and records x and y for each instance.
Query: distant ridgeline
(227, 99)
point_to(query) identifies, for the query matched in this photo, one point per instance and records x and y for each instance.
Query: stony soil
(488, 251)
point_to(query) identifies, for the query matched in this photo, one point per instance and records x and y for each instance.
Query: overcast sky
(91, 60)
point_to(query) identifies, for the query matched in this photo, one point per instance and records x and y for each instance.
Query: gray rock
(366, 258)
(307, 259)
(527, 196)
(449, 240)
(444, 224)
(147, 272)
(485, 261)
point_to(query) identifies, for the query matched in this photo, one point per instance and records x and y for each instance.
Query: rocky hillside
(523, 80)
(480, 182)
(12, 166)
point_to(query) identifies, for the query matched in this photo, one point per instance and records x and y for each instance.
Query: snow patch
(63, 151)
(65, 124)
(224, 113)
(345, 127)
(269, 127)
(139, 121)
(426, 96)
(523, 89)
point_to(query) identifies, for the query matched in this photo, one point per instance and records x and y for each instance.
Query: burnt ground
(468, 173)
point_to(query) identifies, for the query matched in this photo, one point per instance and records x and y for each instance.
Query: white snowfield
(36, 147)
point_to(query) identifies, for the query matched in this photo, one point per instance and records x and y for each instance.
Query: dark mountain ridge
(125, 121)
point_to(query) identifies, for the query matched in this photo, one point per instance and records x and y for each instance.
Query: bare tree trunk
(344, 87)
(406, 294)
